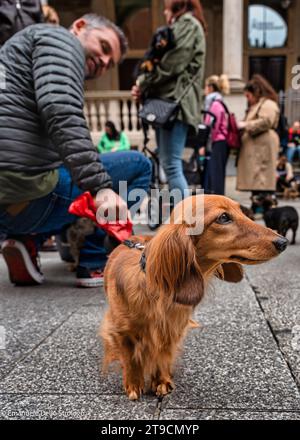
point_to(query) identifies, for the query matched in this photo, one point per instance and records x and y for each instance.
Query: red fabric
(84, 206)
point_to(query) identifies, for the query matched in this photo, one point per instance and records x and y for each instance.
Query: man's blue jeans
(48, 215)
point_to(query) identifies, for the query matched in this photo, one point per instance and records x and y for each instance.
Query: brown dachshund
(150, 306)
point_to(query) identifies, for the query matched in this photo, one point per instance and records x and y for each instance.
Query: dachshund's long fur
(149, 312)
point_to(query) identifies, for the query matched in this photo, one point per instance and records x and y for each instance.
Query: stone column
(233, 19)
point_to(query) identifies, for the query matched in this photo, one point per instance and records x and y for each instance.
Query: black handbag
(160, 112)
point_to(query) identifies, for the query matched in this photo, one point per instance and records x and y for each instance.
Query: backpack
(233, 138)
(15, 15)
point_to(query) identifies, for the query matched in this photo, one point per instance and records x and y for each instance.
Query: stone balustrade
(118, 107)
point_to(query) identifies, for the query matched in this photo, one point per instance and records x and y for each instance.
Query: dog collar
(139, 246)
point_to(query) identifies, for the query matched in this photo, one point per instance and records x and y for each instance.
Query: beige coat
(260, 148)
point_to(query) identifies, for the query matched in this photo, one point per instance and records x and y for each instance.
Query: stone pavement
(243, 363)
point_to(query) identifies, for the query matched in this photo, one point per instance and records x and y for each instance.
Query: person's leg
(131, 167)
(171, 144)
(218, 163)
(206, 177)
(48, 215)
(135, 170)
(290, 154)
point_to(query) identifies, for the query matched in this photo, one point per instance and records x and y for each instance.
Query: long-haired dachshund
(152, 294)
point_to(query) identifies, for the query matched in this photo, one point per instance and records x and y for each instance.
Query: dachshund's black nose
(281, 244)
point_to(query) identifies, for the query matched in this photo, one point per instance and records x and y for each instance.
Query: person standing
(260, 143)
(171, 77)
(215, 88)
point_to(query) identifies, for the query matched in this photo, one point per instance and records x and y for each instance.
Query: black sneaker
(89, 278)
(21, 258)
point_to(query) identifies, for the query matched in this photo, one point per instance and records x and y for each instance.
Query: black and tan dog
(163, 40)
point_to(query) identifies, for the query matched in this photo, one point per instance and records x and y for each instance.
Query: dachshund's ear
(191, 290)
(230, 272)
(174, 270)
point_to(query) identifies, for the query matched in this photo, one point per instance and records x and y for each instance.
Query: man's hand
(111, 207)
(136, 93)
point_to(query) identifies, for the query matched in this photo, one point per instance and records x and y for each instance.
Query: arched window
(267, 28)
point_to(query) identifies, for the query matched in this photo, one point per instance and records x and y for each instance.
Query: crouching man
(47, 158)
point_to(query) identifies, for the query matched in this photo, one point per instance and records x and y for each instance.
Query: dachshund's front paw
(134, 392)
(162, 387)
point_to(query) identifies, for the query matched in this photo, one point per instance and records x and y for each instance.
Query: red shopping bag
(84, 206)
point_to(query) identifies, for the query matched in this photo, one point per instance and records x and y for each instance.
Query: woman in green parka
(171, 77)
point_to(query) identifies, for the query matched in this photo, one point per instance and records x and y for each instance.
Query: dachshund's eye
(224, 219)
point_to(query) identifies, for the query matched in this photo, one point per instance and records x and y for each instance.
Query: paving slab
(233, 361)
(30, 314)
(77, 407)
(277, 288)
(187, 414)
(68, 361)
(243, 363)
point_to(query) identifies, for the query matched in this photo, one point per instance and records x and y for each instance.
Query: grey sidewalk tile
(280, 301)
(187, 414)
(30, 314)
(233, 360)
(77, 407)
(69, 361)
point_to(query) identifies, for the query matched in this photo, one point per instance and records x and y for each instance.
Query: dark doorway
(272, 68)
(127, 69)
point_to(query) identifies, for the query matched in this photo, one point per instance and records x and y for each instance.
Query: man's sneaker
(89, 278)
(21, 258)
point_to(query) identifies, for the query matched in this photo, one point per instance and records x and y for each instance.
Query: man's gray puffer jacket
(42, 123)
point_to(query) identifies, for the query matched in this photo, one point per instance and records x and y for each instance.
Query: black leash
(140, 247)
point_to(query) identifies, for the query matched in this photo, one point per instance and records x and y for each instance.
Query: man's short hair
(97, 21)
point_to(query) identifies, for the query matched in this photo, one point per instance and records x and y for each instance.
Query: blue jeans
(48, 215)
(171, 144)
(291, 151)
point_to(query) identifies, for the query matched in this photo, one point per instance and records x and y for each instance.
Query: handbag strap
(193, 80)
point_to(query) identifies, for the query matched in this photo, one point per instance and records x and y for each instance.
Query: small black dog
(263, 201)
(163, 40)
(281, 219)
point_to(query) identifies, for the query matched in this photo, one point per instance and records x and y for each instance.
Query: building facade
(245, 37)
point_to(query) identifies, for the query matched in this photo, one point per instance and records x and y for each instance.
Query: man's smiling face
(101, 47)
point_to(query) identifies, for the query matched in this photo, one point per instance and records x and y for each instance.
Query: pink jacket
(220, 130)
